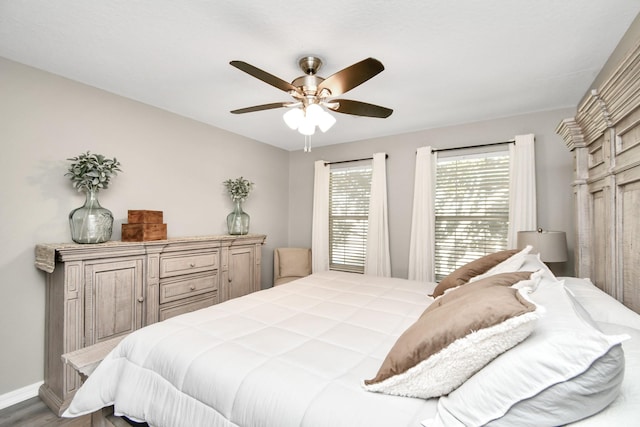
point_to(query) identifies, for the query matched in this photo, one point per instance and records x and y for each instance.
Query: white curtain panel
(422, 245)
(320, 226)
(377, 260)
(522, 188)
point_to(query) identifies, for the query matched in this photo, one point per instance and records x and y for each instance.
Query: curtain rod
(473, 146)
(386, 156)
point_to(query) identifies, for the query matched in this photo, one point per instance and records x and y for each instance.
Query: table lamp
(551, 245)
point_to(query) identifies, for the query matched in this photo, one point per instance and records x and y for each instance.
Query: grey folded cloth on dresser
(46, 257)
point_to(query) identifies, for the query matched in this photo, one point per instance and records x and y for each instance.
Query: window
(349, 193)
(471, 208)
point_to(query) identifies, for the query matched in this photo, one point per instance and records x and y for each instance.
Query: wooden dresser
(101, 291)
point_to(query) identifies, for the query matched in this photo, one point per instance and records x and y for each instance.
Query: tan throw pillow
(450, 343)
(503, 279)
(294, 262)
(463, 274)
(513, 263)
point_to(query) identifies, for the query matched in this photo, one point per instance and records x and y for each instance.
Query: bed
(297, 355)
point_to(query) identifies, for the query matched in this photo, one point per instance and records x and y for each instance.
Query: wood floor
(34, 413)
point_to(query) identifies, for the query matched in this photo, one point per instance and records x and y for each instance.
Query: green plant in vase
(238, 220)
(91, 223)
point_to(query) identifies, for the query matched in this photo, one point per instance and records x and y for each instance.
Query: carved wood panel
(629, 237)
(599, 247)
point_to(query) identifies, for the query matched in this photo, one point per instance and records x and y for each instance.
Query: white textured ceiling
(446, 61)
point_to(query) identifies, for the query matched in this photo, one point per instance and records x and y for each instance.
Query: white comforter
(294, 355)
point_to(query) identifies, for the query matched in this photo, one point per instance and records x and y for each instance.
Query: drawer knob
(192, 287)
(192, 264)
(140, 299)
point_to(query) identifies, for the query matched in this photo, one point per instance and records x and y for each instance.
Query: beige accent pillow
(463, 274)
(294, 262)
(450, 343)
(513, 263)
(503, 279)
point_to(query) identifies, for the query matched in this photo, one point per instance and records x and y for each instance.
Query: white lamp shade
(314, 113)
(551, 245)
(307, 127)
(326, 121)
(293, 118)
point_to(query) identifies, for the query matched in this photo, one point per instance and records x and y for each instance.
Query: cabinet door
(113, 298)
(241, 271)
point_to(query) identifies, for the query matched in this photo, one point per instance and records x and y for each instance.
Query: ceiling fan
(312, 92)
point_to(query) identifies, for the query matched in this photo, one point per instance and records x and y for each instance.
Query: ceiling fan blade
(261, 107)
(358, 108)
(352, 76)
(264, 76)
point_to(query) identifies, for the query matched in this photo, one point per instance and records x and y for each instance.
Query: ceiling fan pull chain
(307, 143)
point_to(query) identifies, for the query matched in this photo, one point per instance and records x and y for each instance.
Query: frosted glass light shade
(314, 113)
(307, 127)
(326, 121)
(551, 245)
(293, 117)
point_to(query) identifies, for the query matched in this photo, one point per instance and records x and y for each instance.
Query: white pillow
(532, 262)
(579, 397)
(562, 347)
(601, 306)
(532, 283)
(513, 263)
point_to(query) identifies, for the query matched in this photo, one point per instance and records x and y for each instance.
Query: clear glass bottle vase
(91, 223)
(238, 220)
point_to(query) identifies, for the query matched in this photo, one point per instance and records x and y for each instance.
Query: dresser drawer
(183, 287)
(187, 305)
(185, 264)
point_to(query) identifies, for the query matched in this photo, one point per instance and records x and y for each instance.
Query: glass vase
(238, 220)
(91, 223)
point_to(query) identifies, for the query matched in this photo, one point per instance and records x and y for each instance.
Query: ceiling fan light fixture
(293, 118)
(313, 94)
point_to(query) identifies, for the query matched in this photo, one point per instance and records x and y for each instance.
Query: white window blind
(471, 208)
(349, 193)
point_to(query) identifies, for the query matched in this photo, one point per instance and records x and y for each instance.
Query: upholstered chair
(290, 264)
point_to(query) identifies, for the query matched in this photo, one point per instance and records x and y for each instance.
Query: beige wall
(170, 163)
(553, 170)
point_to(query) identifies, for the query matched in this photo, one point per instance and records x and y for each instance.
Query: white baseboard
(19, 395)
